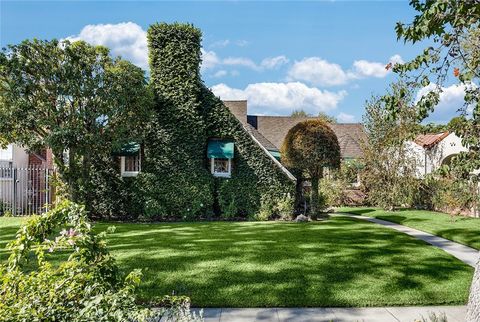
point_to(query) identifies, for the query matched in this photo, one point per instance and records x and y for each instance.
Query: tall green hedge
(175, 182)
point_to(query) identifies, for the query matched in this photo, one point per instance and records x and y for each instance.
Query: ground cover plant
(464, 230)
(338, 262)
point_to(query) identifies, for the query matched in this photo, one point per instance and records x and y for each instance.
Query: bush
(275, 208)
(87, 286)
(446, 194)
(333, 191)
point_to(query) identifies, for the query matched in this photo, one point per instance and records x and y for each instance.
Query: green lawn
(464, 230)
(338, 262)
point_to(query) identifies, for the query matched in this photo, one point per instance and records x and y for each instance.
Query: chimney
(238, 108)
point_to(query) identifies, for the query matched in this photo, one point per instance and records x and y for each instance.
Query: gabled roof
(429, 140)
(260, 138)
(275, 128)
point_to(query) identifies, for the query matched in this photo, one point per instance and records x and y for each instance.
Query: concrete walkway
(464, 253)
(388, 314)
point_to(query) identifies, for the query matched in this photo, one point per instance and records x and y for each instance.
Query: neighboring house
(270, 131)
(434, 150)
(24, 185)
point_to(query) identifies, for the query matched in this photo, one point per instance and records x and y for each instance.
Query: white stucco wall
(429, 160)
(15, 154)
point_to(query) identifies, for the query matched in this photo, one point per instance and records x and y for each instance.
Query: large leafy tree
(309, 148)
(70, 97)
(389, 176)
(453, 27)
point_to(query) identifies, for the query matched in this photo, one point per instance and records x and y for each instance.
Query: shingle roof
(350, 135)
(429, 140)
(260, 138)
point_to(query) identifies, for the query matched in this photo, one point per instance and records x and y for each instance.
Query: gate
(25, 191)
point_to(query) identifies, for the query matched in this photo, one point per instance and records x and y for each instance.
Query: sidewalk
(387, 314)
(464, 253)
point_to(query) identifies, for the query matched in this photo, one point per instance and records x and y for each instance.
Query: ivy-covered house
(195, 159)
(201, 157)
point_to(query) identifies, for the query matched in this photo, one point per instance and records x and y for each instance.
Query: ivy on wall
(175, 182)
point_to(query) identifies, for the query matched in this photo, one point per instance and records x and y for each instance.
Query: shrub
(87, 286)
(333, 191)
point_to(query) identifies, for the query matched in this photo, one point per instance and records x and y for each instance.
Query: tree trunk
(314, 197)
(473, 311)
(299, 199)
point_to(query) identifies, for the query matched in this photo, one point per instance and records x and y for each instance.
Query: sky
(316, 56)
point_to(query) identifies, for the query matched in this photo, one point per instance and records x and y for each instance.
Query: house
(434, 150)
(24, 187)
(270, 131)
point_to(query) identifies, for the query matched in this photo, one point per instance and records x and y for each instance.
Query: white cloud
(364, 68)
(241, 43)
(226, 42)
(345, 118)
(452, 98)
(209, 59)
(220, 73)
(220, 43)
(282, 98)
(396, 59)
(240, 61)
(212, 60)
(126, 39)
(320, 72)
(274, 62)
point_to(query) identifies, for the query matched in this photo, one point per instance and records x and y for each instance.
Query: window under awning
(220, 149)
(128, 149)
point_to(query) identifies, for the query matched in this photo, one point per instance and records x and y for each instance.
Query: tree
(454, 28)
(389, 173)
(321, 115)
(309, 147)
(70, 97)
(300, 113)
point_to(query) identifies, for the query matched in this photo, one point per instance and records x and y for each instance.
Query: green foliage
(87, 286)
(309, 147)
(70, 97)
(332, 189)
(453, 27)
(321, 115)
(175, 182)
(389, 175)
(447, 194)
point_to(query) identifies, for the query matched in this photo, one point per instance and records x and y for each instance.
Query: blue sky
(318, 56)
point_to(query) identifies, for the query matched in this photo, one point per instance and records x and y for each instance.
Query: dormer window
(220, 153)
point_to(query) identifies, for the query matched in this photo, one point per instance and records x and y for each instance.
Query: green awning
(128, 149)
(276, 154)
(220, 149)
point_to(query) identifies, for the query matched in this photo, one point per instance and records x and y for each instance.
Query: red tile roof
(429, 140)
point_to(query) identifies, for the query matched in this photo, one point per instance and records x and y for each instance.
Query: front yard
(463, 230)
(339, 262)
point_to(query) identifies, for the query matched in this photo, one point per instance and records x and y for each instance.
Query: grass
(463, 230)
(338, 262)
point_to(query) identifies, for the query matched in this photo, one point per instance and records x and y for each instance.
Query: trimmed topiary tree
(309, 147)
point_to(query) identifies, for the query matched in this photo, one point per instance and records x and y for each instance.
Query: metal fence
(25, 191)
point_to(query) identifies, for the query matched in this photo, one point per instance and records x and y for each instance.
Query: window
(130, 165)
(220, 152)
(221, 167)
(6, 169)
